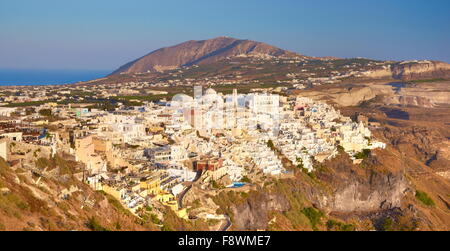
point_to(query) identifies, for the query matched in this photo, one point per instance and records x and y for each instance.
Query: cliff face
(349, 96)
(378, 192)
(374, 185)
(426, 96)
(338, 187)
(200, 52)
(410, 101)
(362, 195)
(411, 70)
(253, 214)
(420, 70)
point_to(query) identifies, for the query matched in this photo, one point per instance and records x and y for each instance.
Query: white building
(4, 149)
(7, 111)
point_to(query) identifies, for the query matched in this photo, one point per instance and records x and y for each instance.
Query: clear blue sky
(104, 34)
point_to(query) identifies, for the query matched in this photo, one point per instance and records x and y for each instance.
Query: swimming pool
(237, 184)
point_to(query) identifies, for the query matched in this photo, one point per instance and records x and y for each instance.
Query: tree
(300, 163)
(45, 112)
(362, 155)
(246, 179)
(270, 144)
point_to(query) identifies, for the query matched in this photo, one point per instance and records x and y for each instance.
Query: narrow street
(225, 225)
(182, 194)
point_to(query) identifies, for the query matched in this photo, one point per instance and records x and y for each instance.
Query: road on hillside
(226, 224)
(183, 193)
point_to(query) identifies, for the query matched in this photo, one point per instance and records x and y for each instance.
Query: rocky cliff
(348, 96)
(254, 213)
(409, 101)
(412, 70)
(363, 196)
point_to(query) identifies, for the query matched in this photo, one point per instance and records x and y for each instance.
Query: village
(150, 155)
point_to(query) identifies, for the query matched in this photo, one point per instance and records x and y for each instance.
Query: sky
(105, 34)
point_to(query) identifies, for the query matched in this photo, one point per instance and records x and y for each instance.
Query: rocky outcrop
(374, 185)
(411, 70)
(382, 192)
(437, 96)
(351, 96)
(355, 96)
(409, 101)
(253, 214)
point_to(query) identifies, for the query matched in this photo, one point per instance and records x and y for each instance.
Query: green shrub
(300, 165)
(45, 112)
(94, 225)
(154, 218)
(312, 175)
(246, 179)
(166, 228)
(271, 145)
(117, 205)
(214, 184)
(313, 215)
(362, 155)
(387, 225)
(424, 198)
(333, 225)
(22, 205)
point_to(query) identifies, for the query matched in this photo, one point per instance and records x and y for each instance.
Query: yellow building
(169, 200)
(117, 193)
(136, 188)
(166, 198)
(182, 213)
(51, 104)
(102, 145)
(153, 185)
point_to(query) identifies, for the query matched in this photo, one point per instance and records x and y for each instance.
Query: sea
(10, 77)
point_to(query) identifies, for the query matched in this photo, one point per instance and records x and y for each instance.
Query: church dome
(210, 91)
(182, 98)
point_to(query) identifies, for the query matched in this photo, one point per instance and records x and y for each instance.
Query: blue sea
(48, 77)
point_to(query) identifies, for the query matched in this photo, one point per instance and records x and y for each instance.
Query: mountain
(200, 52)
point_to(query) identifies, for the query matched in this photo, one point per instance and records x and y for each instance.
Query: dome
(210, 91)
(182, 98)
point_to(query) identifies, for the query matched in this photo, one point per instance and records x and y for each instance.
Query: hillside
(271, 64)
(200, 52)
(58, 201)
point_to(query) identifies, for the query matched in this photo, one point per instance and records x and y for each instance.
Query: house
(117, 192)
(208, 164)
(15, 136)
(214, 167)
(4, 149)
(160, 154)
(6, 111)
(85, 153)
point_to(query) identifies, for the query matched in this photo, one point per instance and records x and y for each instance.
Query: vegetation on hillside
(424, 198)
